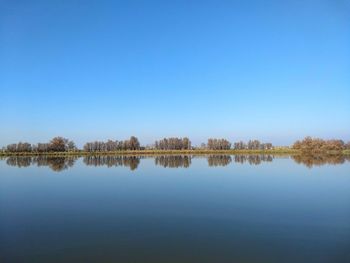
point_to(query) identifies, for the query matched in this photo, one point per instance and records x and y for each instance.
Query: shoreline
(166, 152)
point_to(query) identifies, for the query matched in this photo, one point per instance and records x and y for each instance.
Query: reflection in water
(109, 161)
(253, 158)
(219, 160)
(173, 161)
(19, 161)
(56, 163)
(59, 163)
(234, 213)
(318, 160)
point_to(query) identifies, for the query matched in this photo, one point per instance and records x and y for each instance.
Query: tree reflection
(253, 159)
(311, 160)
(104, 160)
(60, 163)
(19, 161)
(219, 160)
(55, 163)
(173, 161)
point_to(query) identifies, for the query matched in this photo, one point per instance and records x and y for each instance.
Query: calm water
(175, 209)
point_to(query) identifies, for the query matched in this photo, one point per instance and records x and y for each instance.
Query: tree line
(57, 144)
(252, 145)
(316, 145)
(61, 144)
(218, 144)
(173, 144)
(112, 146)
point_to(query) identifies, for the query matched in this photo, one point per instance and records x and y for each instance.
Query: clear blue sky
(86, 70)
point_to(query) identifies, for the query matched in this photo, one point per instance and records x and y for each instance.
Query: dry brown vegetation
(315, 146)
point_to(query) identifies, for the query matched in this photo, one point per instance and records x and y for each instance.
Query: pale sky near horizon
(92, 70)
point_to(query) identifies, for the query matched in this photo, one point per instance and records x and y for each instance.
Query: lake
(175, 208)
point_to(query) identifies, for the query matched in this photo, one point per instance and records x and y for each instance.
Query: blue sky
(86, 70)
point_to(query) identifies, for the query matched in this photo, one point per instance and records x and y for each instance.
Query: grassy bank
(161, 152)
(347, 152)
(156, 152)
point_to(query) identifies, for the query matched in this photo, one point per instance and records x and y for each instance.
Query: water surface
(217, 208)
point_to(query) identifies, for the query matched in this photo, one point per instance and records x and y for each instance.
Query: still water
(218, 208)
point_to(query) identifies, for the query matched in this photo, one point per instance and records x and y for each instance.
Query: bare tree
(58, 144)
(317, 145)
(71, 146)
(110, 146)
(218, 144)
(173, 143)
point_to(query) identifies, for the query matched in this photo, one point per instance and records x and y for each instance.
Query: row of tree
(173, 144)
(252, 145)
(218, 144)
(60, 144)
(316, 145)
(110, 146)
(57, 144)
